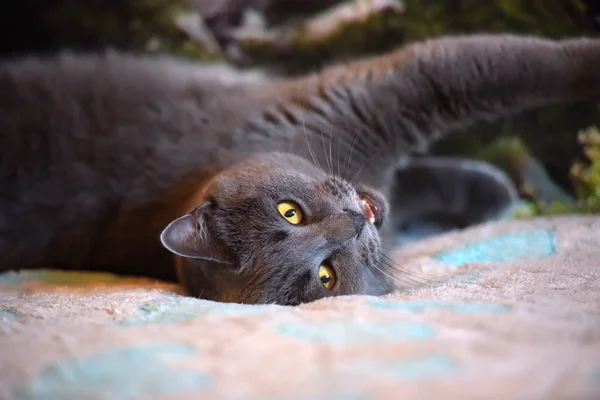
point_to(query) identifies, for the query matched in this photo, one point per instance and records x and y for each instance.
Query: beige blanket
(515, 314)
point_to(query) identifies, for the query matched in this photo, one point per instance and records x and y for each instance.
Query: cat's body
(99, 153)
(95, 153)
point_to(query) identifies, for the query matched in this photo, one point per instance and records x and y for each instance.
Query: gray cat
(267, 191)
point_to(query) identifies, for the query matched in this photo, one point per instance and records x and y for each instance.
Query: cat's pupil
(325, 279)
(290, 213)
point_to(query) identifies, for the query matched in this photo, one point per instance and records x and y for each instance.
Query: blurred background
(552, 154)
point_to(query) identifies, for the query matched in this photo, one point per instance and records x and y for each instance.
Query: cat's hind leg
(431, 195)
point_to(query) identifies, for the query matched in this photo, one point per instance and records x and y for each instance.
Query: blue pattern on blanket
(337, 396)
(429, 304)
(6, 314)
(57, 277)
(350, 332)
(504, 248)
(465, 279)
(181, 309)
(410, 369)
(139, 372)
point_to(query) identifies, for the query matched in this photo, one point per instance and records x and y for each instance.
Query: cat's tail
(405, 99)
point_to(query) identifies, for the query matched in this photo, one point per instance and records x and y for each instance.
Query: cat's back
(133, 71)
(110, 87)
(88, 107)
(88, 138)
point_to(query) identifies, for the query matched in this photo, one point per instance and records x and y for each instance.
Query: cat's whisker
(411, 275)
(349, 156)
(312, 154)
(390, 261)
(330, 139)
(325, 152)
(368, 159)
(352, 180)
(393, 278)
(402, 276)
(406, 275)
(389, 249)
(339, 172)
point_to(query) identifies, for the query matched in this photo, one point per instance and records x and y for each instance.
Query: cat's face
(279, 230)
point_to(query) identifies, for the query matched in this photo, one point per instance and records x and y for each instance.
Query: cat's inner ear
(194, 236)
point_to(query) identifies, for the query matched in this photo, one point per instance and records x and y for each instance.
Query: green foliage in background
(422, 19)
(586, 179)
(136, 25)
(426, 18)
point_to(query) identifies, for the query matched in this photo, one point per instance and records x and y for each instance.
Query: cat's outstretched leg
(435, 194)
(388, 106)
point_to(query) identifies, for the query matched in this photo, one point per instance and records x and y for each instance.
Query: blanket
(504, 310)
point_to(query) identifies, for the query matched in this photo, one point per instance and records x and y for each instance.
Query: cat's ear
(194, 236)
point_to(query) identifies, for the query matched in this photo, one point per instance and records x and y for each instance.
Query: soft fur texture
(516, 316)
(101, 152)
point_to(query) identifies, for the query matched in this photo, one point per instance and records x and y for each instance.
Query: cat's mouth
(371, 211)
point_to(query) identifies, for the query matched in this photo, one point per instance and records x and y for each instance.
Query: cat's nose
(358, 219)
(343, 228)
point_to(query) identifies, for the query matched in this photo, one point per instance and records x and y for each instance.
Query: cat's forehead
(337, 188)
(255, 181)
(262, 182)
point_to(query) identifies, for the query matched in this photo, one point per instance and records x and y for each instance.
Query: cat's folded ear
(194, 236)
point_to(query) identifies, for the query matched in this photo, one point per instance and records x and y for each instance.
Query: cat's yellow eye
(327, 276)
(290, 211)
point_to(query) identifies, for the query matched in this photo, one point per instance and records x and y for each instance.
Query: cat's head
(276, 229)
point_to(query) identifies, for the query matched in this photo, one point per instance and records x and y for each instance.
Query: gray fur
(99, 153)
(449, 191)
(266, 259)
